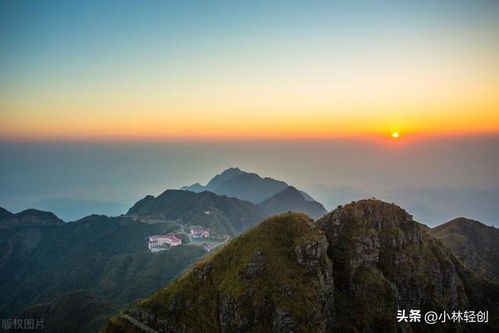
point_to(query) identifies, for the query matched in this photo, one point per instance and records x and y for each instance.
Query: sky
(434, 179)
(121, 70)
(103, 102)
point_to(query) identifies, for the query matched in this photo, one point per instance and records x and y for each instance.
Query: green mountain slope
(476, 244)
(26, 218)
(350, 271)
(385, 261)
(219, 213)
(255, 283)
(102, 255)
(75, 312)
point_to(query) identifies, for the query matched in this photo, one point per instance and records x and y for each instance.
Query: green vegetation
(348, 272)
(28, 217)
(218, 213)
(384, 261)
(256, 276)
(474, 243)
(105, 256)
(75, 312)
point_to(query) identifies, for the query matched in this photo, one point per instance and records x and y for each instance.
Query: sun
(395, 135)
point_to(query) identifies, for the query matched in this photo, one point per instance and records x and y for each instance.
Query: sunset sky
(104, 102)
(86, 70)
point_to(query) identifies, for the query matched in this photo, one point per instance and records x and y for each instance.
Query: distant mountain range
(105, 256)
(219, 213)
(350, 271)
(275, 196)
(105, 246)
(290, 199)
(236, 183)
(430, 205)
(28, 217)
(75, 209)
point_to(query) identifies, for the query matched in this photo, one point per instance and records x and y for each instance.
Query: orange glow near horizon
(243, 126)
(425, 101)
(249, 129)
(250, 112)
(279, 72)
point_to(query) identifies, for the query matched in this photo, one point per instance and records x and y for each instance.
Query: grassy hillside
(75, 312)
(475, 243)
(348, 272)
(219, 213)
(28, 217)
(252, 283)
(385, 261)
(107, 256)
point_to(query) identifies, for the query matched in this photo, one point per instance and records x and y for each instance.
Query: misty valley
(245, 254)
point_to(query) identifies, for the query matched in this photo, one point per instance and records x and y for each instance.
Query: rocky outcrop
(351, 271)
(275, 278)
(382, 256)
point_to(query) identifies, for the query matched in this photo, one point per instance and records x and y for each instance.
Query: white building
(199, 233)
(158, 243)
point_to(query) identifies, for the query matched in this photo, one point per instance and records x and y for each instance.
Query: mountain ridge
(234, 182)
(474, 243)
(290, 274)
(106, 256)
(291, 199)
(76, 312)
(224, 214)
(223, 177)
(26, 218)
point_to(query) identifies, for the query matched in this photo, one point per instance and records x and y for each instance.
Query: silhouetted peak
(290, 192)
(4, 212)
(224, 176)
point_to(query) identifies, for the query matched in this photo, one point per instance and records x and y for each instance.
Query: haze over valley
(436, 179)
(249, 166)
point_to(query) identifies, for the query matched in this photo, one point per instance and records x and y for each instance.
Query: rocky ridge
(350, 271)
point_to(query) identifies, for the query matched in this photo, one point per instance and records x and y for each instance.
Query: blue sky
(132, 68)
(346, 73)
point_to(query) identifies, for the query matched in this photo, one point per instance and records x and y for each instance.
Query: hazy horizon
(330, 170)
(102, 103)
